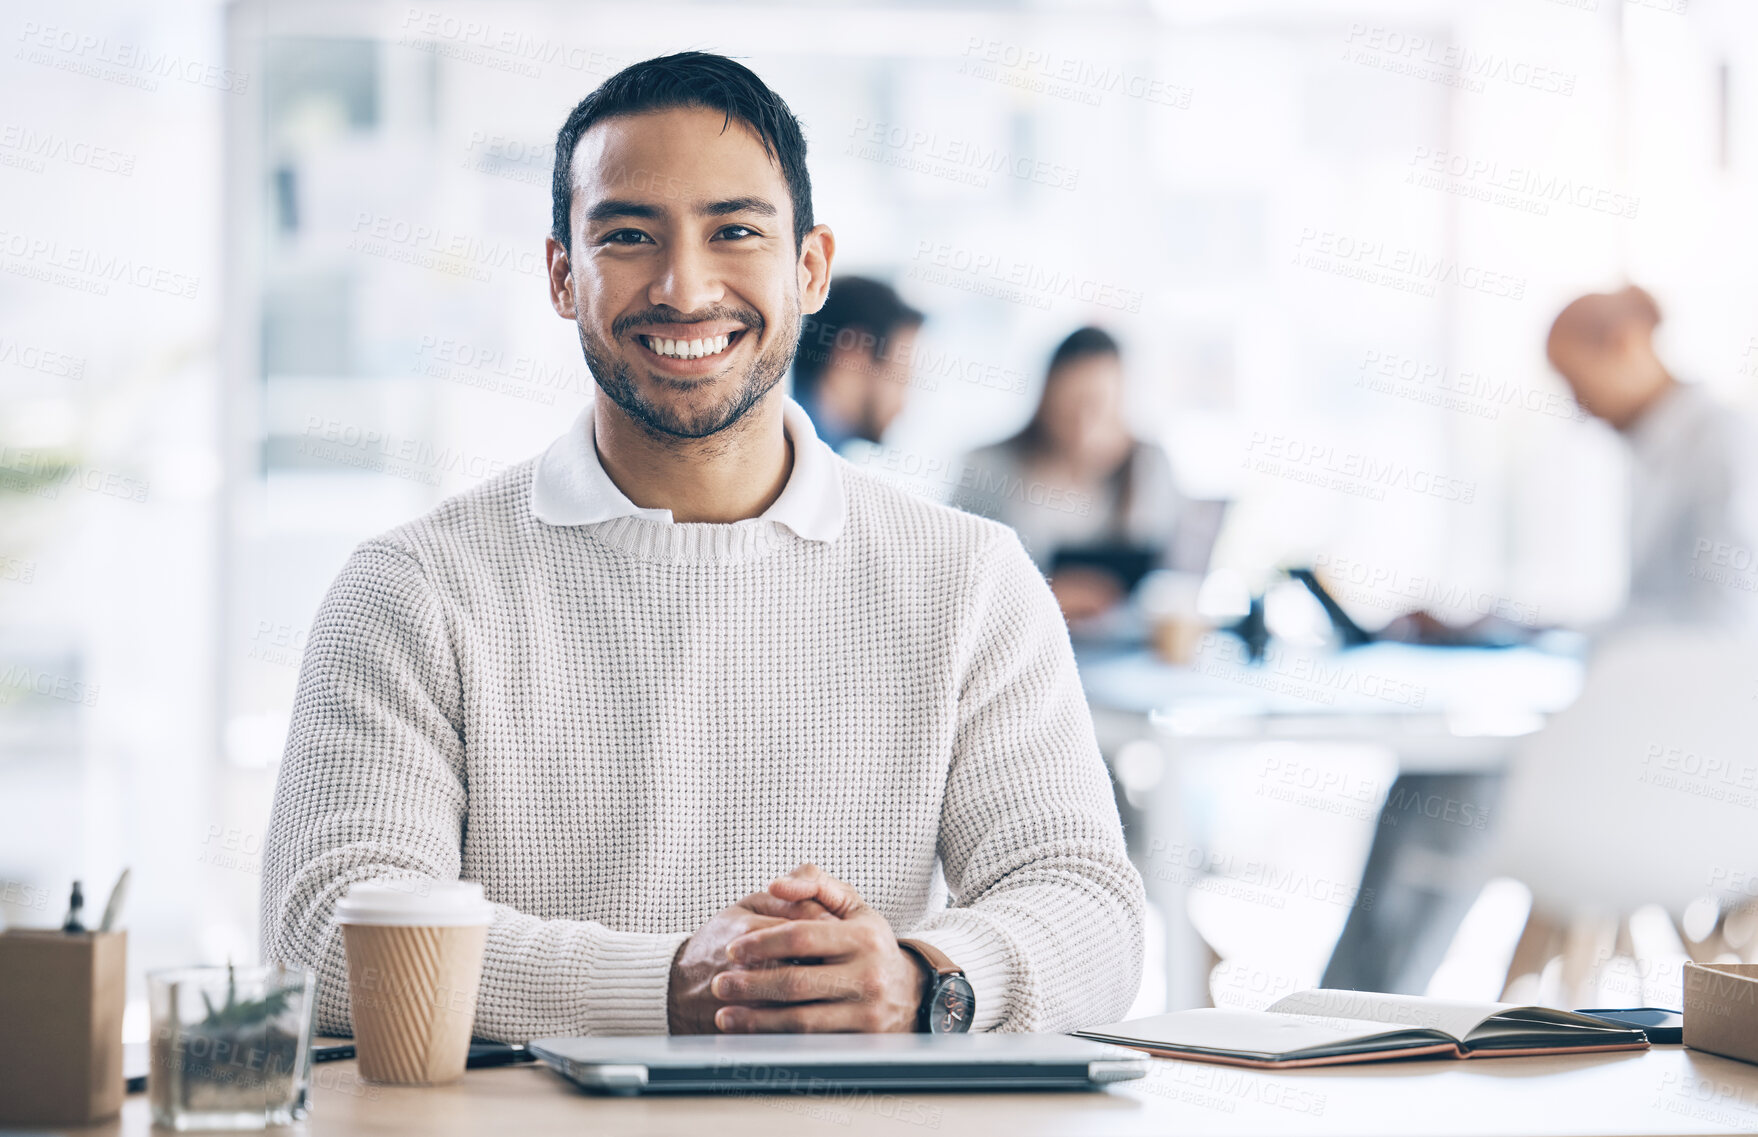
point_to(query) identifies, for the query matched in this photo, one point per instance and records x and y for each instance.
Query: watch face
(953, 1006)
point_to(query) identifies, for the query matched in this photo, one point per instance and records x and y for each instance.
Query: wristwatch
(950, 1004)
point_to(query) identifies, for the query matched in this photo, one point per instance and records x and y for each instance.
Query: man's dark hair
(688, 79)
(859, 313)
(1081, 343)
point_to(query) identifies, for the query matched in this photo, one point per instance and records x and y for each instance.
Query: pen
(118, 894)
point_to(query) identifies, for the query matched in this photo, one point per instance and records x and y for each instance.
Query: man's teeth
(687, 349)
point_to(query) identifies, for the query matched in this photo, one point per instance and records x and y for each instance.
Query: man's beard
(616, 377)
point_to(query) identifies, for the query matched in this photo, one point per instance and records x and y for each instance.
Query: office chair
(1640, 799)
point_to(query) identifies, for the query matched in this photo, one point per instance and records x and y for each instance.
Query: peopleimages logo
(1396, 267)
(29, 680)
(376, 451)
(1224, 656)
(86, 269)
(30, 149)
(956, 159)
(1711, 777)
(499, 46)
(516, 375)
(1394, 589)
(1521, 188)
(1465, 392)
(1037, 284)
(1449, 64)
(33, 358)
(101, 57)
(1724, 879)
(1259, 881)
(516, 159)
(1348, 471)
(1721, 562)
(928, 475)
(1067, 77)
(17, 570)
(45, 473)
(438, 249)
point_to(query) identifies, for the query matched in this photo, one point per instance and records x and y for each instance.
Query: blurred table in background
(1257, 790)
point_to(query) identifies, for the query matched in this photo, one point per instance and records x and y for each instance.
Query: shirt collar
(1670, 420)
(831, 431)
(570, 487)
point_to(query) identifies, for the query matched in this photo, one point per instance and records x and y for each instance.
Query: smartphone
(1658, 1023)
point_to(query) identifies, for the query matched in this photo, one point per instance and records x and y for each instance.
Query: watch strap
(936, 959)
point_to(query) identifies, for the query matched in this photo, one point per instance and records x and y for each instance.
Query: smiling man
(735, 736)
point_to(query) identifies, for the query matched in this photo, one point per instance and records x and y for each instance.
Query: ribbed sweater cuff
(983, 955)
(630, 978)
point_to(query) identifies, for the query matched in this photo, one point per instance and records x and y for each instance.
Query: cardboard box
(1721, 1009)
(61, 998)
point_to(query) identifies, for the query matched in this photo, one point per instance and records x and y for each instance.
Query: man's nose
(686, 281)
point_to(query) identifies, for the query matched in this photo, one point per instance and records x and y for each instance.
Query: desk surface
(1378, 679)
(1381, 692)
(1667, 1090)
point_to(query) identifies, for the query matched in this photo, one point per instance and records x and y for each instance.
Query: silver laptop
(808, 1063)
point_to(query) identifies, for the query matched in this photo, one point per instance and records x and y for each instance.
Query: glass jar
(231, 1046)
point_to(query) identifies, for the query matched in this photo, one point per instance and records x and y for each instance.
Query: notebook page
(1244, 1032)
(1446, 1015)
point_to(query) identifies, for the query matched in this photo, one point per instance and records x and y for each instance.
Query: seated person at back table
(1693, 475)
(1694, 463)
(713, 716)
(1690, 496)
(852, 369)
(1076, 476)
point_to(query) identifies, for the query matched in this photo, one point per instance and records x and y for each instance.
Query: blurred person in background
(1692, 536)
(1694, 464)
(852, 371)
(1095, 506)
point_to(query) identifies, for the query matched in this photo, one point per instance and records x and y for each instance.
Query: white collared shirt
(570, 486)
(1693, 511)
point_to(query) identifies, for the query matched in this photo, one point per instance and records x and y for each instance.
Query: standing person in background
(1694, 489)
(1076, 478)
(852, 371)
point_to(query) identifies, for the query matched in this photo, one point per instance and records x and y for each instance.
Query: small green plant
(235, 1014)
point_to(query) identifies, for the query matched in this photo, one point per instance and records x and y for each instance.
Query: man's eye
(625, 237)
(735, 233)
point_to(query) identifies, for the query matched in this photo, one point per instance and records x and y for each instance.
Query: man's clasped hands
(806, 955)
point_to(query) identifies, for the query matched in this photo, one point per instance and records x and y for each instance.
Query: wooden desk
(1667, 1090)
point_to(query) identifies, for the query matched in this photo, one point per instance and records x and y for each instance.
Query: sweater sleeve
(373, 786)
(1046, 909)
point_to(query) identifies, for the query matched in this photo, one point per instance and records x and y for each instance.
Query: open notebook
(1324, 1028)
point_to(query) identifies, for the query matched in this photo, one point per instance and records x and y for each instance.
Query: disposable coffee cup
(414, 964)
(1176, 625)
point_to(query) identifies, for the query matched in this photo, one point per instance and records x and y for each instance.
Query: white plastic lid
(415, 903)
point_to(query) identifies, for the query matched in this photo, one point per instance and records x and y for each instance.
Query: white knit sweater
(620, 728)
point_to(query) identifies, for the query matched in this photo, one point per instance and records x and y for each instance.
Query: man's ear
(816, 253)
(561, 278)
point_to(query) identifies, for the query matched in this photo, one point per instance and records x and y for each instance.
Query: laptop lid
(805, 1063)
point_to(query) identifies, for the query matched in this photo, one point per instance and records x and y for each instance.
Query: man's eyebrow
(760, 206)
(621, 207)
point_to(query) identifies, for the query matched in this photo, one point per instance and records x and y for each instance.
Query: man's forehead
(676, 158)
